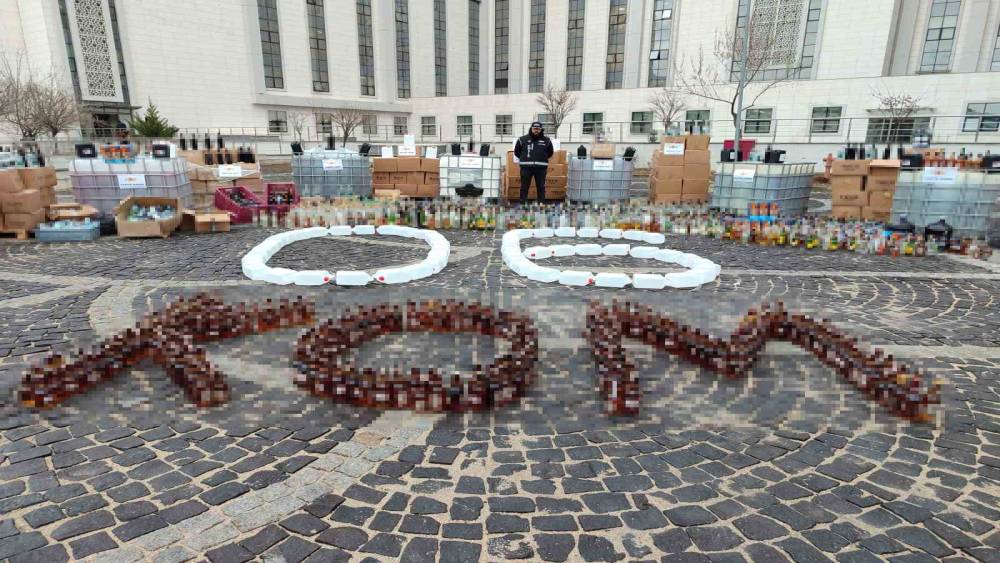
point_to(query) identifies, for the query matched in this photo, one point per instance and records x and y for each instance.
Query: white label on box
(386, 152)
(409, 140)
(230, 171)
(996, 164)
(470, 162)
(131, 181)
(607, 165)
(330, 164)
(431, 152)
(935, 175)
(673, 149)
(407, 150)
(744, 175)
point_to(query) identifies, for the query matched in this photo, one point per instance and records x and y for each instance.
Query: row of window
(980, 117)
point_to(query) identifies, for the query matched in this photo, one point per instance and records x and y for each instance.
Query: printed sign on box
(230, 171)
(407, 150)
(470, 162)
(607, 165)
(935, 175)
(673, 149)
(744, 175)
(131, 181)
(331, 164)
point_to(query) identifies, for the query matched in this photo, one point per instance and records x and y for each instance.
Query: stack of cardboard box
(680, 171)
(555, 178)
(24, 195)
(205, 179)
(410, 176)
(863, 189)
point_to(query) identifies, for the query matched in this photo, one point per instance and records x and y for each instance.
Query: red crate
(283, 188)
(239, 213)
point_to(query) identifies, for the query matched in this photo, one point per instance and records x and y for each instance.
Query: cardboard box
(382, 178)
(696, 157)
(38, 177)
(694, 198)
(880, 200)
(664, 185)
(698, 142)
(415, 178)
(665, 199)
(202, 187)
(848, 212)
(194, 157)
(660, 160)
(673, 172)
(850, 167)
(555, 182)
(161, 228)
(696, 186)
(558, 157)
(602, 150)
(407, 189)
(558, 169)
(255, 185)
(48, 195)
(848, 190)
(27, 201)
(407, 164)
(23, 221)
(71, 211)
(881, 182)
(432, 165)
(514, 182)
(870, 214)
(883, 174)
(205, 222)
(10, 181)
(398, 178)
(432, 178)
(390, 194)
(384, 165)
(428, 190)
(697, 172)
(203, 202)
(667, 139)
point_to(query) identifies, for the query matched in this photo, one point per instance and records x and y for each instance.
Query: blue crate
(45, 233)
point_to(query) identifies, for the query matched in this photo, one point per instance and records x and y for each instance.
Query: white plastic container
(540, 274)
(648, 281)
(312, 277)
(643, 252)
(654, 238)
(563, 250)
(588, 232)
(634, 235)
(352, 278)
(364, 229)
(340, 230)
(543, 233)
(613, 234)
(616, 249)
(394, 275)
(565, 232)
(589, 250)
(538, 252)
(608, 279)
(576, 278)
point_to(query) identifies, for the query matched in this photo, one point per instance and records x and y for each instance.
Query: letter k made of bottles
(170, 338)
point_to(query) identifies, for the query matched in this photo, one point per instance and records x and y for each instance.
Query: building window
(277, 121)
(402, 18)
(366, 48)
(659, 46)
(642, 122)
(698, 121)
(593, 123)
(995, 64)
(982, 117)
(473, 47)
(545, 119)
(428, 126)
(324, 124)
(536, 47)
(440, 48)
(400, 125)
(615, 61)
(940, 39)
(369, 124)
(900, 130)
(758, 121)
(505, 125)
(810, 40)
(464, 125)
(574, 44)
(270, 43)
(779, 23)
(501, 46)
(317, 45)
(826, 120)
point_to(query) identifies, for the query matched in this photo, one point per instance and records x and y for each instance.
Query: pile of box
(555, 178)
(206, 178)
(410, 176)
(24, 195)
(863, 189)
(679, 171)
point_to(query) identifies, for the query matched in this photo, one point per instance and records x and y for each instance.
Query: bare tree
(55, 109)
(297, 121)
(718, 77)
(667, 103)
(20, 92)
(348, 119)
(898, 107)
(557, 103)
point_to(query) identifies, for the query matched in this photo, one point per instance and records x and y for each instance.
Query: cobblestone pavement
(787, 464)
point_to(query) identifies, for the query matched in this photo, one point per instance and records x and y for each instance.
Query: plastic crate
(96, 182)
(602, 180)
(345, 173)
(966, 205)
(481, 171)
(282, 188)
(738, 184)
(239, 213)
(89, 231)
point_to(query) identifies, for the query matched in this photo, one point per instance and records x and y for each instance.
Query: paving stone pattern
(789, 464)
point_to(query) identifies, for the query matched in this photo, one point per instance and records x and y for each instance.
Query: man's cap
(536, 124)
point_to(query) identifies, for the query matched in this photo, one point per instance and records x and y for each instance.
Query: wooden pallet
(19, 234)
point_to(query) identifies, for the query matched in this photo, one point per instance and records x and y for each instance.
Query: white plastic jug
(565, 232)
(279, 276)
(576, 278)
(563, 249)
(541, 274)
(389, 230)
(616, 249)
(340, 230)
(648, 281)
(394, 275)
(364, 229)
(643, 252)
(538, 252)
(588, 232)
(654, 238)
(312, 277)
(668, 255)
(589, 250)
(352, 278)
(609, 279)
(543, 233)
(613, 234)
(634, 235)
